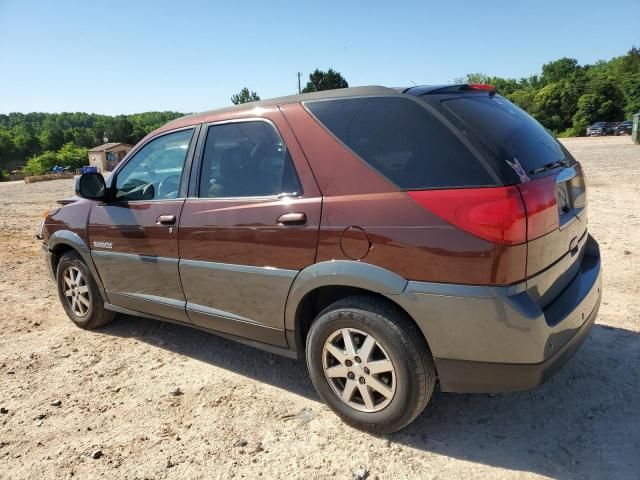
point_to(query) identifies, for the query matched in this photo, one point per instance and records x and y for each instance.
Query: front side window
(155, 171)
(247, 159)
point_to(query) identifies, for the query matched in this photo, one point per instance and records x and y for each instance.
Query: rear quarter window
(403, 141)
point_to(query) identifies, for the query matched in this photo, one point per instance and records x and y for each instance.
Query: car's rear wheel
(79, 293)
(370, 364)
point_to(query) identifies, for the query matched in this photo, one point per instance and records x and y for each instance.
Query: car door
(250, 227)
(134, 237)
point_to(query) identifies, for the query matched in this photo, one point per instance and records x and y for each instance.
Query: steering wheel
(168, 186)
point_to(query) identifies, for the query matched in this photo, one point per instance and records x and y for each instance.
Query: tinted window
(509, 132)
(155, 171)
(246, 159)
(403, 141)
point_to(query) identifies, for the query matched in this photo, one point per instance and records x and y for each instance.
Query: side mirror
(91, 186)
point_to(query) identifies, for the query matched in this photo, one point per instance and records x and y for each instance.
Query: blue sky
(133, 56)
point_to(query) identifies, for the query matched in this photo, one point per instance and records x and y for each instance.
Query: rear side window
(403, 141)
(247, 159)
(509, 132)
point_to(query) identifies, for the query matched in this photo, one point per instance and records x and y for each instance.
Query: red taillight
(505, 215)
(540, 202)
(495, 214)
(481, 86)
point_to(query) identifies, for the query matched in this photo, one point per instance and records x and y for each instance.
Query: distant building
(107, 156)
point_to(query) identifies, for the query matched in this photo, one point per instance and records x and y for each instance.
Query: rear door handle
(166, 220)
(297, 218)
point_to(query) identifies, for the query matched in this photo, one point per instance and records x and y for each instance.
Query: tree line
(27, 135)
(565, 97)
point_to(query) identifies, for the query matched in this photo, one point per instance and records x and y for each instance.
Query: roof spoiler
(458, 88)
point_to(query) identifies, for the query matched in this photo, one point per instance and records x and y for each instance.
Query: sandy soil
(66, 393)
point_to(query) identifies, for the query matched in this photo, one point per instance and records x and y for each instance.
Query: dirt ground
(66, 393)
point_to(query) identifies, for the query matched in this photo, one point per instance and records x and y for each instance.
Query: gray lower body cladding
(487, 339)
(482, 338)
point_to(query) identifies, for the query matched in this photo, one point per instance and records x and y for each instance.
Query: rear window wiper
(549, 166)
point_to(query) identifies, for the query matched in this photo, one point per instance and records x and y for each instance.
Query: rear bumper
(489, 339)
(485, 377)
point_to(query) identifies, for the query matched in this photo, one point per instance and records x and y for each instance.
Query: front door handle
(166, 220)
(297, 218)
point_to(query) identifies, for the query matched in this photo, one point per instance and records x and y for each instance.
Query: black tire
(402, 342)
(96, 315)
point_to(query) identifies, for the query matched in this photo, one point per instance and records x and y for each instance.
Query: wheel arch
(322, 284)
(63, 241)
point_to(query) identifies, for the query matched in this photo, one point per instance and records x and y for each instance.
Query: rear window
(509, 132)
(403, 141)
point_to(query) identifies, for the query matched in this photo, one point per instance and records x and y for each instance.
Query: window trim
(184, 176)
(194, 183)
(429, 108)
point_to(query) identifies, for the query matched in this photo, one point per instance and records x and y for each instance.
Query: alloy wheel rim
(76, 291)
(359, 370)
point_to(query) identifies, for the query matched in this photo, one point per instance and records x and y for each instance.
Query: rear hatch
(550, 181)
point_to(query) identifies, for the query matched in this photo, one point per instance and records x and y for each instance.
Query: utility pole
(299, 75)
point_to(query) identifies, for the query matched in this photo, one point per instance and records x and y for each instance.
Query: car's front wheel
(79, 294)
(370, 364)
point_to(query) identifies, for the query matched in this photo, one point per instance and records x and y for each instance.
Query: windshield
(507, 131)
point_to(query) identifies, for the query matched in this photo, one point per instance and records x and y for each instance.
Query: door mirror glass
(91, 186)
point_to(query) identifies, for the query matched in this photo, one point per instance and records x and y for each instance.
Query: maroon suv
(390, 236)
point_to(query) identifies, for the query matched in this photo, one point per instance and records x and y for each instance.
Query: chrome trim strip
(232, 267)
(214, 312)
(134, 256)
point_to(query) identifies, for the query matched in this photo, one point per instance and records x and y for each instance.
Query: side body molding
(343, 273)
(66, 237)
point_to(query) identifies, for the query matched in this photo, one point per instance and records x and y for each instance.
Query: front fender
(73, 240)
(340, 273)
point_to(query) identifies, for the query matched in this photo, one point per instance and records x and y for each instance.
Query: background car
(611, 128)
(624, 128)
(597, 129)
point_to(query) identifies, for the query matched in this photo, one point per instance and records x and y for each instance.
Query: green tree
(472, 78)
(558, 70)
(588, 111)
(329, 80)
(523, 97)
(555, 104)
(631, 90)
(244, 96)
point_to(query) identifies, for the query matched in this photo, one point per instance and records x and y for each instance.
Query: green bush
(4, 176)
(41, 163)
(72, 156)
(68, 156)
